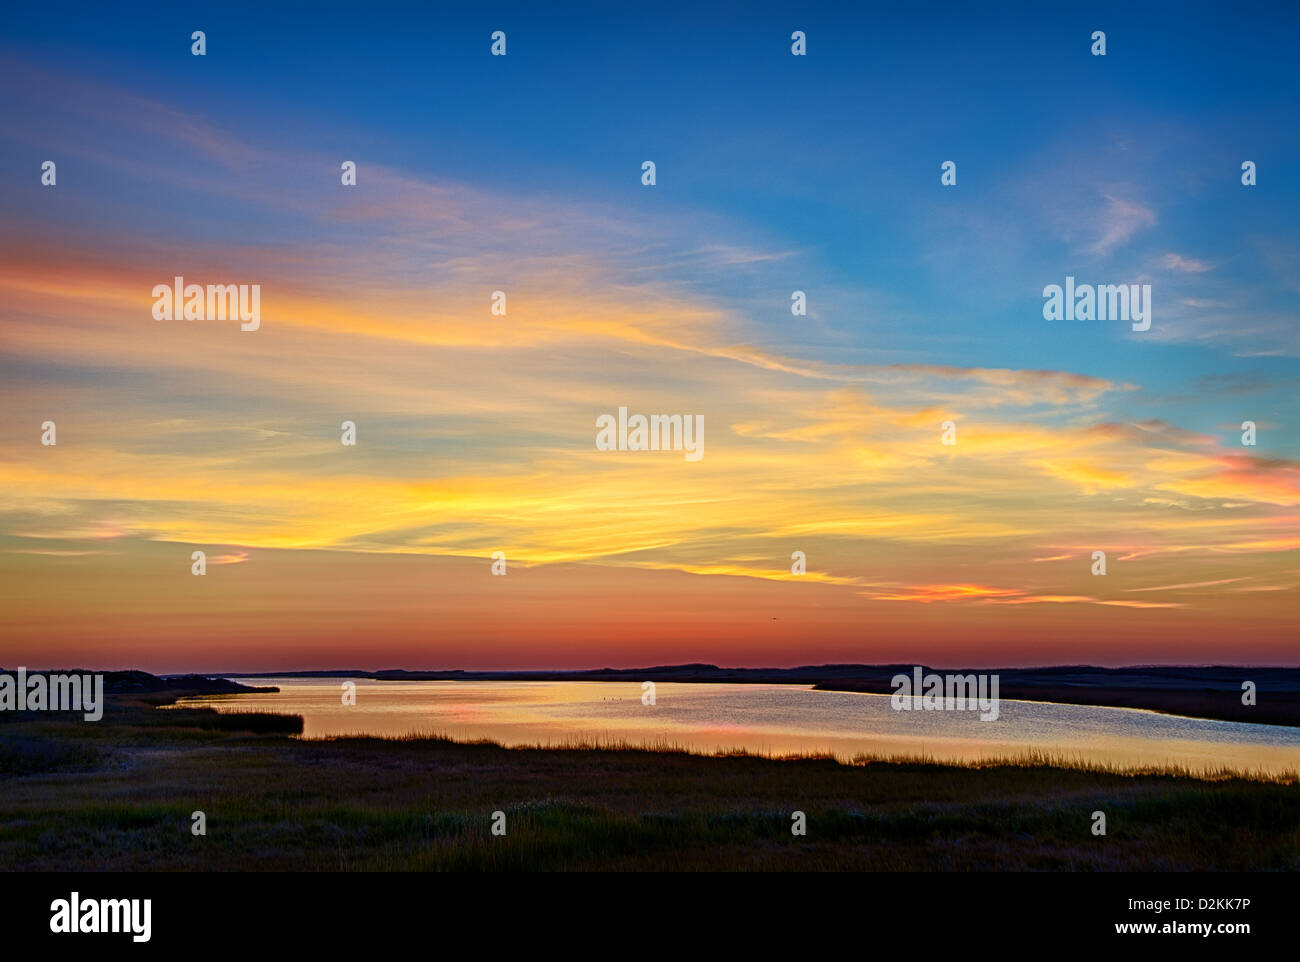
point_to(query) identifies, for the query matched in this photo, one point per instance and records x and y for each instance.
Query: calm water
(769, 719)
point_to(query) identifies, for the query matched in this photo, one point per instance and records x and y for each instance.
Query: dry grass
(118, 795)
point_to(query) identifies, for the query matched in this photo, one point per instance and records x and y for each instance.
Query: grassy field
(119, 794)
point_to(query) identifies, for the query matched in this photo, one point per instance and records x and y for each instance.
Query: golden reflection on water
(769, 720)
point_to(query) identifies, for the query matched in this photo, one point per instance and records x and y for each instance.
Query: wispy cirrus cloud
(1184, 265)
(1118, 221)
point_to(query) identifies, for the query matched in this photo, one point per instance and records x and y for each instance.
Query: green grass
(118, 795)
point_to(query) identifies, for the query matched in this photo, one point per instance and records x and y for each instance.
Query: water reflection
(767, 719)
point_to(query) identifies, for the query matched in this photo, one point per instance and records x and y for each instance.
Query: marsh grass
(1029, 758)
(118, 795)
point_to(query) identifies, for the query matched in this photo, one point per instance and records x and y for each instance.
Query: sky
(476, 432)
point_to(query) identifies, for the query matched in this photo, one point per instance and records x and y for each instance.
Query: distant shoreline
(1205, 692)
(1208, 692)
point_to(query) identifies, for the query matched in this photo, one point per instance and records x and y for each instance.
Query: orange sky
(472, 439)
(476, 434)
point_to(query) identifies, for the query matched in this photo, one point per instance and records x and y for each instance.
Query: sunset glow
(475, 432)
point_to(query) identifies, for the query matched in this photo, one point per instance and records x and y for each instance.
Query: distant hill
(136, 682)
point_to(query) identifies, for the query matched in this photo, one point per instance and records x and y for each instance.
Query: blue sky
(831, 159)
